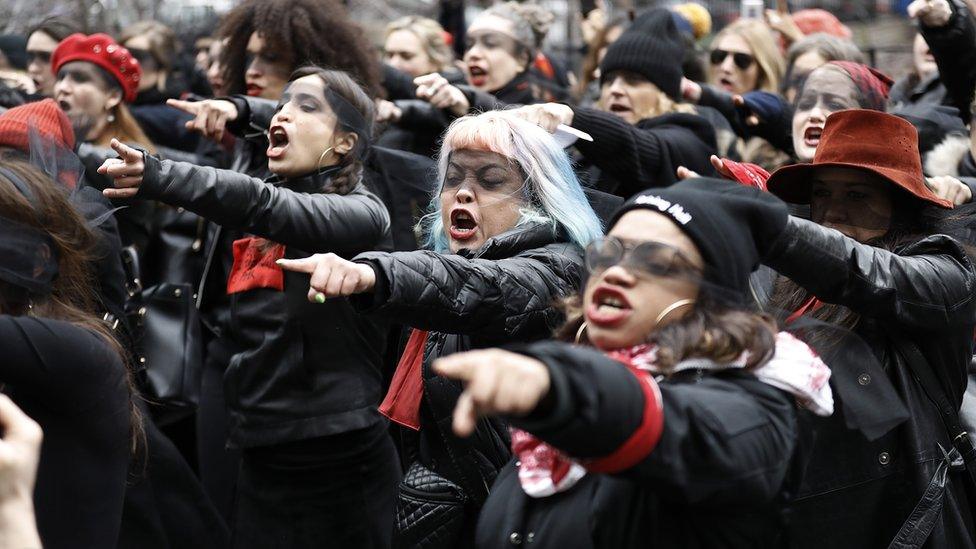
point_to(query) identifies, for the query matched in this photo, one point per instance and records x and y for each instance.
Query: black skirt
(333, 491)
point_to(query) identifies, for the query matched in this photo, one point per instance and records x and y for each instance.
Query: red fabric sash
(809, 306)
(254, 266)
(402, 402)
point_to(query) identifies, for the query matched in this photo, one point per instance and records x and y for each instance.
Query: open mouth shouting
(277, 142)
(478, 75)
(727, 83)
(254, 90)
(463, 225)
(608, 307)
(811, 136)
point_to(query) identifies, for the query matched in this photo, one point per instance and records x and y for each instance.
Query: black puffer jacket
(858, 493)
(712, 480)
(633, 158)
(505, 292)
(305, 370)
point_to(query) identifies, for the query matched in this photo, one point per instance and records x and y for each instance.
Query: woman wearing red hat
(95, 78)
(871, 260)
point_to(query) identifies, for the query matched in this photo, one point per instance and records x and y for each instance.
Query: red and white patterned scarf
(794, 368)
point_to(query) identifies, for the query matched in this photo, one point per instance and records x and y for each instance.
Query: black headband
(350, 119)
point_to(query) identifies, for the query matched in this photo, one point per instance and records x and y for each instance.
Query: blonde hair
(764, 49)
(431, 36)
(663, 105)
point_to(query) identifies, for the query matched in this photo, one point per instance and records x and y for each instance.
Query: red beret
(101, 50)
(45, 117)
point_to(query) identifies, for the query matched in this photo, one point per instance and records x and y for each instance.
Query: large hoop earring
(579, 333)
(671, 308)
(318, 165)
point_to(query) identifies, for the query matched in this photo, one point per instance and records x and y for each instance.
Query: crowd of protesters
(292, 285)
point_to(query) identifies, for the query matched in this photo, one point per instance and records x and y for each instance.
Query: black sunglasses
(142, 56)
(652, 258)
(38, 56)
(742, 60)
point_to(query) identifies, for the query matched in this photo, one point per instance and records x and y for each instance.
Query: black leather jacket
(304, 370)
(856, 492)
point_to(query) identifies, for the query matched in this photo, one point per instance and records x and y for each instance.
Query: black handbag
(168, 343)
(432, 511)
(960, 456)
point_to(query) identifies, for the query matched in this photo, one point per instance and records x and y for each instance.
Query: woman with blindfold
(61, 363)
(508, 227)
(673, 421)
(318, 465)
(872, 260)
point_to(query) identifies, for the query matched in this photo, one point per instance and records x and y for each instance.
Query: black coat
(505, 292)
(712, 480)
(634, 158)
(74, 385)
(856, 492)
(954, 48)
(305, 370)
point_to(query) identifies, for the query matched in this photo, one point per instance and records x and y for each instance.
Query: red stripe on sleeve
(644, 439)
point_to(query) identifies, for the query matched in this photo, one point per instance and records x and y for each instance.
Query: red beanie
(45, 117)
(101, 50)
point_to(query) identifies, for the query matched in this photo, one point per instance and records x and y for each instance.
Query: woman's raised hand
(546, 115)
(126, 170)
(932, 13)
(949, 188)
(496, 382)
(211, 115)
(332, 276)
(436, 90)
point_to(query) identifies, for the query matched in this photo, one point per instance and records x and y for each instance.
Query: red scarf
(402, 402)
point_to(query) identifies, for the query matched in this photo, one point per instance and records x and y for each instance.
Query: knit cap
(651, 47)
(44, 117)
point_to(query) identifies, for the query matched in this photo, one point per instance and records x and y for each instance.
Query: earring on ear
(580, 332)
(111, 118)
(318, 165)
(671, 308)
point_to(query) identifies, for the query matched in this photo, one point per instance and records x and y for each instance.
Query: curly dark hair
(303, 32)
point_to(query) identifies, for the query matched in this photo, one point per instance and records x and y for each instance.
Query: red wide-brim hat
(872, 141)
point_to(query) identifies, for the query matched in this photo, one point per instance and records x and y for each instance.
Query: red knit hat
(44, 117)
(101, 50)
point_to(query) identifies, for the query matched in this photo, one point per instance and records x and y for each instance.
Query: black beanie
(732, 225)
(651, 47)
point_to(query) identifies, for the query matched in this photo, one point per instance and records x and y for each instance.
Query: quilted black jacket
(505, 292)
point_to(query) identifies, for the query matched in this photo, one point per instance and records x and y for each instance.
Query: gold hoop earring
(671, 308)
(318, 165)
(579, 333)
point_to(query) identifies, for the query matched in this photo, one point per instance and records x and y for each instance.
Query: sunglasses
(649, 258)
(43, 57)
(742, 60)
(144, 57)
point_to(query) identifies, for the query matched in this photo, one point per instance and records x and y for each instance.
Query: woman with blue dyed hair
(507, 230)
